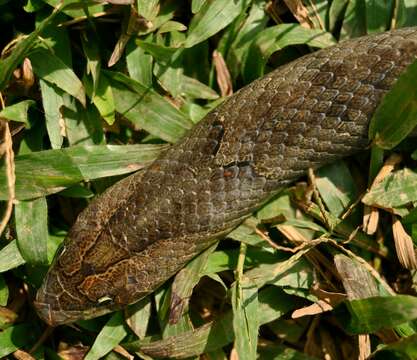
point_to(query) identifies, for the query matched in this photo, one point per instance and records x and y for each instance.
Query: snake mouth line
(59, 317)
(52, 317)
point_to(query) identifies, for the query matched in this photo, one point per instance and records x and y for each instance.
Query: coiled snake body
(145, 228)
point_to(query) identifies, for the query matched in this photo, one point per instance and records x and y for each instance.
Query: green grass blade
(17, 112)
(245, 318)
(397, 189)
(47, 172)
(147, 109)
(109, 337)
(32, 230)
(213, 16)
(53, 70)
(396, 116)
(376, 313)
(10, 257)
(277, 37)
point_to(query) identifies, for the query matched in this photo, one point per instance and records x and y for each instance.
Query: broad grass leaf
(139, 63)
(196, 5)
(378, 15)
(53, 99)
(336, 12)
(31, 218)
(4, 292)
(77, 191)
(160, 52)
(82, 126)
(376, 163)
(76, 8)
(171, 26)
(397, 189)
(196, 89)
(213, 16)
(170, 328)
(396, 115)
(138, 316)
(246, 233)
(294, 272)
(31, 5)
(47, 172)
(282, 207)
(277, 37)
(254, 23)
(52, 69)
(147, 109)
(406, 13)
(56, 37)
(336, 187)
(158, 12)
(21, 50)
(17, 112)
(222, 260)
(10, 257)
(55, 239)
(405, 349)
(184, 283)
(149, 9)
(245, 318)
(109, 337)
(273, 303)
(170, 78)
(281, 352)
(102, 98)
(372, 314)
(354, 22)
(16, 337)
(91, 50)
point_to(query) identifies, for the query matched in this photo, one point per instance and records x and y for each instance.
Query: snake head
(60, 301)
(85, 279)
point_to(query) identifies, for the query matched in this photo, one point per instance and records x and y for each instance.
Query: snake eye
(105, 300)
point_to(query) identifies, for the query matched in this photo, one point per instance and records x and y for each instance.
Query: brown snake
(146, 227)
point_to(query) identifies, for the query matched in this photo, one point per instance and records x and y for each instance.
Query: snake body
(145, 228)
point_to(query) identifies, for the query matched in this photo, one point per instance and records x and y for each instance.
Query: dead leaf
(357, 281)
(370, 219)
(131, 25)
(300, 12)
(122, 351)
(318, 307)
(371, 214)
(73, 352)
(292, 234)
(333, 298)
(403, 245)
(387, 168)
(364, 344)
(234, 355)
(224, 79)
(7, 316)
(22, 355)
(27, 74)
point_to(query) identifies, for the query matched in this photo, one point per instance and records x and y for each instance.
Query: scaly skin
(148, 226)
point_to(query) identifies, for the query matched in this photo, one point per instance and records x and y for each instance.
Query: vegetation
(91, 91)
